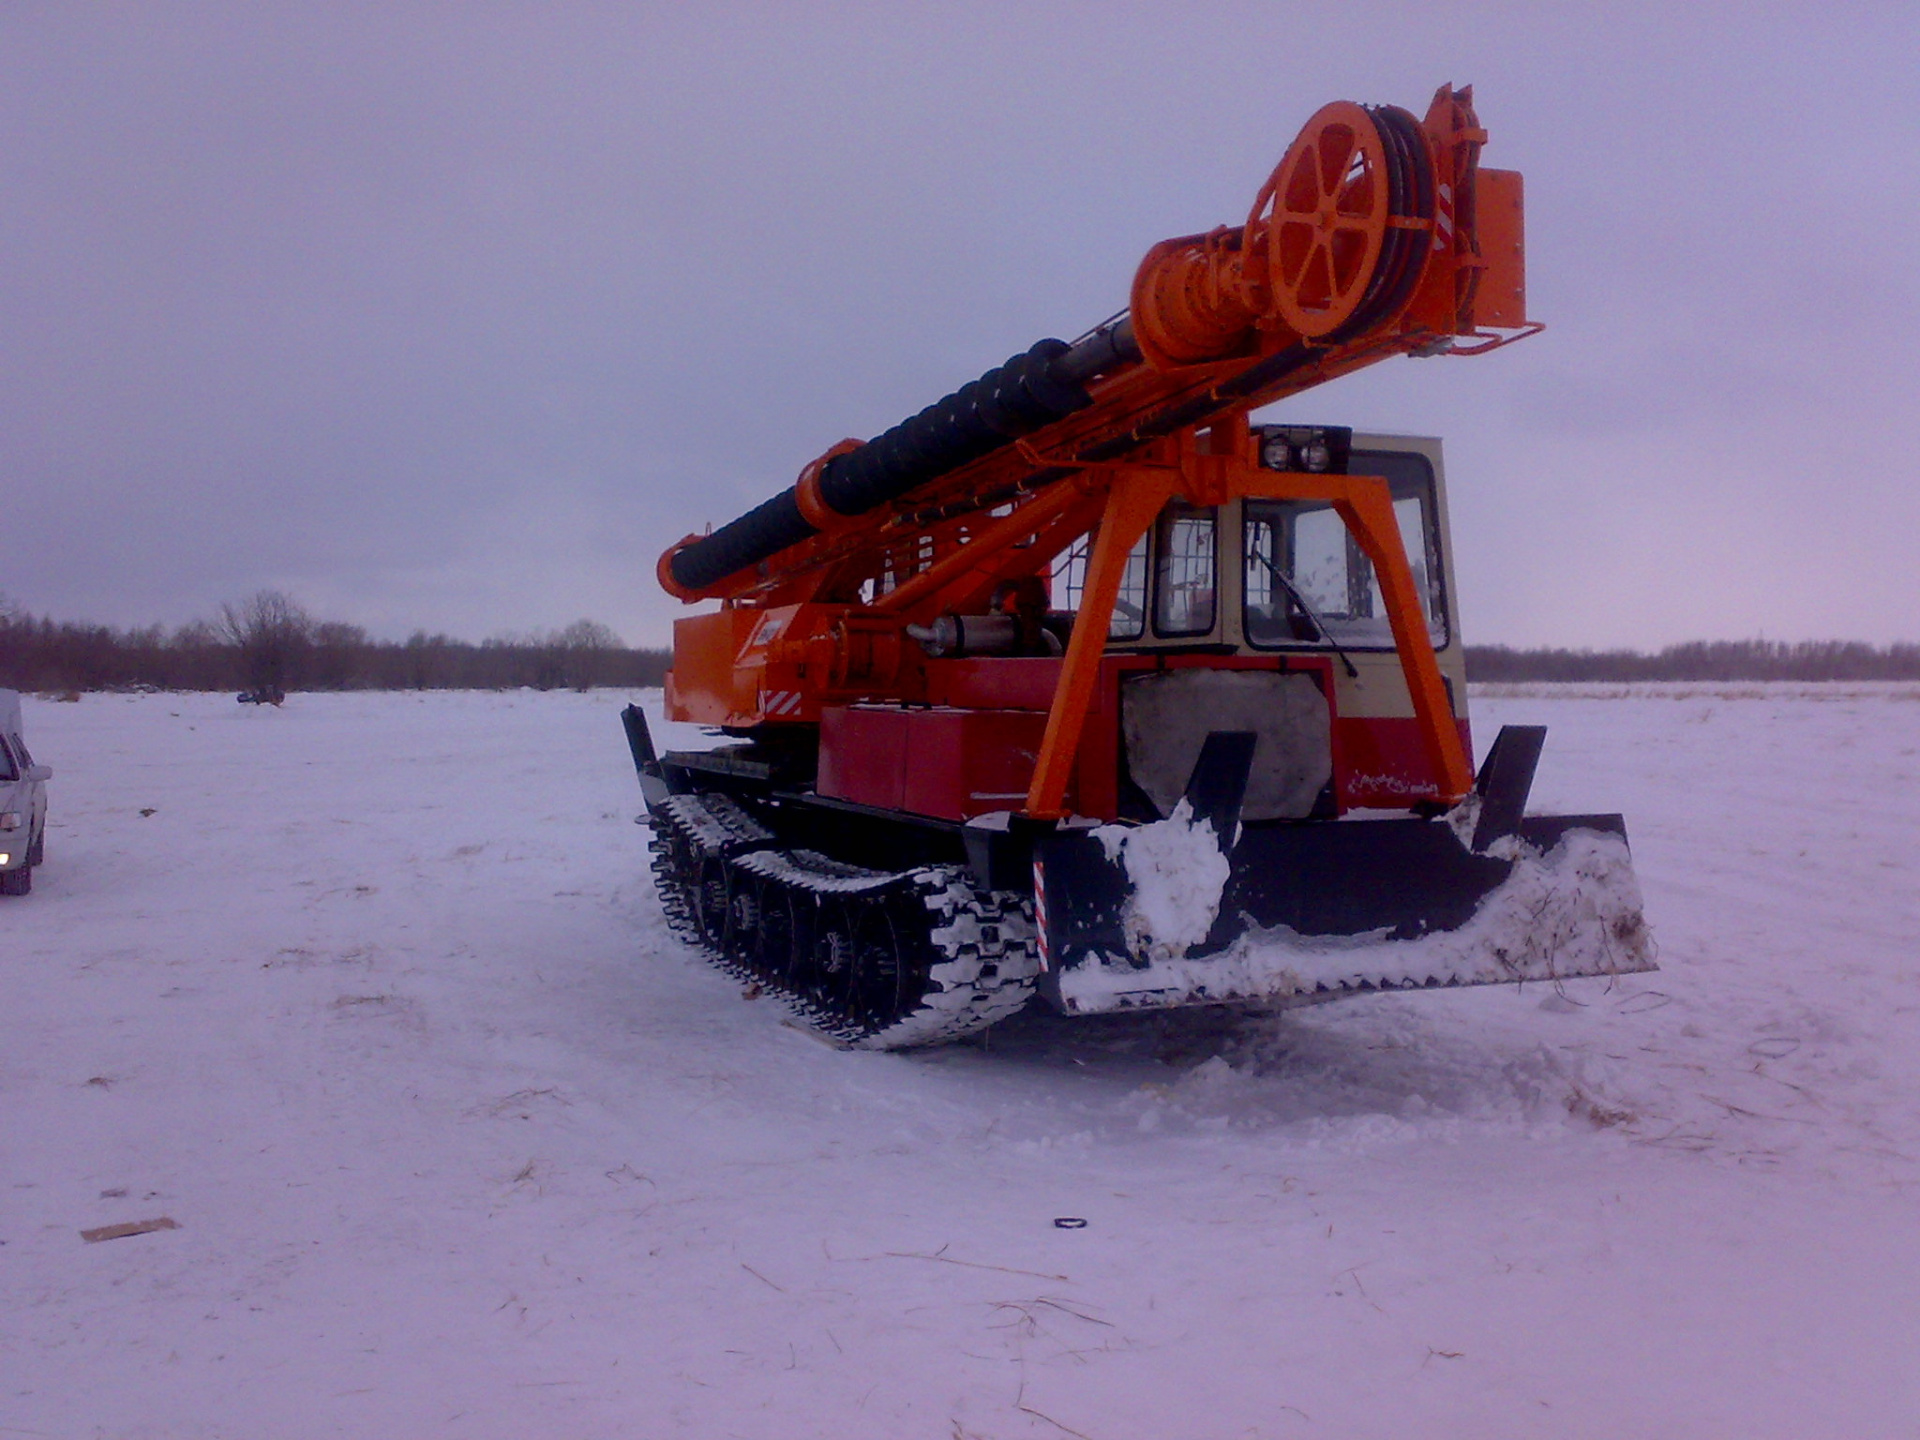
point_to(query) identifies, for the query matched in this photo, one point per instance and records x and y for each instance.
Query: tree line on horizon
(1702, 660)
(268, 643)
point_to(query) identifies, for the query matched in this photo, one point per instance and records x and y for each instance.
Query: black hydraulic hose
(1409, 196)
(1028, 393)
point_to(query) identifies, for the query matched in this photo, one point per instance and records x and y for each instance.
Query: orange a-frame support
(1135, 494)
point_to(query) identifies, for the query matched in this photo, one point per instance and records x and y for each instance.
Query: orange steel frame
(1138, 493)
(823, 622)
(1227, 296)
(1117, 504)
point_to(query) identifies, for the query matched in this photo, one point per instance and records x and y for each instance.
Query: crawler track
(881, 960)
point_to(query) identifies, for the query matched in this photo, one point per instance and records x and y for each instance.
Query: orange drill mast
(1378, 234)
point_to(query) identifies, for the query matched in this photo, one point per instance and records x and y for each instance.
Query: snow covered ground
(371, 997)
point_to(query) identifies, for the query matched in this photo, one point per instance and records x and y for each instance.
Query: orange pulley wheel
(1326, 210)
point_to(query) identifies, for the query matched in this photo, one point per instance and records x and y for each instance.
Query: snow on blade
(1573, 911)
(1178, 874)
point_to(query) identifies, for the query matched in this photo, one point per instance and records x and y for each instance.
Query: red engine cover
(949, 763)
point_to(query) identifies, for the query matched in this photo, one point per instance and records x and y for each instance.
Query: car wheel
(16, 882)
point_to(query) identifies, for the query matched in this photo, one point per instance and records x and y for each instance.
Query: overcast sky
(454, 316)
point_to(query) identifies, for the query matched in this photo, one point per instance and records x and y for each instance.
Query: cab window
(1130, 604)
(1184, 570)
(1307, 583)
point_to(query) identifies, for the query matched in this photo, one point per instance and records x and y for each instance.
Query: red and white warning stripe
(1040, 915)
(780, 702)
(1443, 218)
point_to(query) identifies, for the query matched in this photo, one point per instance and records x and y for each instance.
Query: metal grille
(1184, 583)
(1129, 608)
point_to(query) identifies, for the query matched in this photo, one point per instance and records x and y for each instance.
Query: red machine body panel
(947, 763)
(1380, 762)
(998, 683)
(954, 761)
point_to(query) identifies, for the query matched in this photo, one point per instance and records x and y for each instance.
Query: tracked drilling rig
(1080, 683)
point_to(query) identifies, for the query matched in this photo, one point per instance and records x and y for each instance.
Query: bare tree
(336, 654)
(428, 661)
(270, 635)
(575, 656)
(583, 647)
(590, 635)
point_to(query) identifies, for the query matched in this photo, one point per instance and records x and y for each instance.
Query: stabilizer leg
(1505, 780)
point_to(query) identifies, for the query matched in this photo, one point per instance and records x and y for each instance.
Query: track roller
(878, 960)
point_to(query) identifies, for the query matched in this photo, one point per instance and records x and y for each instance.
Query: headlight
(1315, 456)
(1275, 453)
(9, 819)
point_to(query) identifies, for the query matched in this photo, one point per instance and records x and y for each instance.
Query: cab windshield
(1307, 583)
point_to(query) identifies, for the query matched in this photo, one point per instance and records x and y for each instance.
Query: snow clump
(1178, 873)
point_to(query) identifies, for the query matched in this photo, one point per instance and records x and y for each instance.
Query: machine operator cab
(23, 802)
(1302, 581)
(1283, 588)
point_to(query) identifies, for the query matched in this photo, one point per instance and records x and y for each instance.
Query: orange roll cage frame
(1226, 322)
(1133, 495)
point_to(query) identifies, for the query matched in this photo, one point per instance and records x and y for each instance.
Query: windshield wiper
(1307, 610)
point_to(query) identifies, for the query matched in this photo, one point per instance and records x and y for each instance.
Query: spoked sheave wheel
(1326, 209)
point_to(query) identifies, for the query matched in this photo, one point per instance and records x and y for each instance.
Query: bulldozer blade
(1157, 915)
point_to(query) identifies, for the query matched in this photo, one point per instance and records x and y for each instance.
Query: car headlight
(9, 819)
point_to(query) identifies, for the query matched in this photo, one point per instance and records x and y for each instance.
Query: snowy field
(370, 996)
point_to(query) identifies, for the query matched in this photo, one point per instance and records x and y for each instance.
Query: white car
(23, 802)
